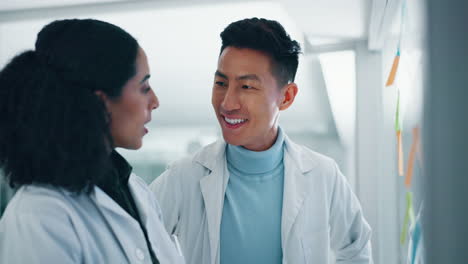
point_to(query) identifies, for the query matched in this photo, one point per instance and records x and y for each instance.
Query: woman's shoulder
(38, 213)
(39, 200)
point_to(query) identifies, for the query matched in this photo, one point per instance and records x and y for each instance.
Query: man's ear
(289, 92)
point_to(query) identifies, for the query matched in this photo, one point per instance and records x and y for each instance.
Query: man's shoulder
(319, 169)
(197, 164)
(188, 171)
(309, 158)
(311, 154)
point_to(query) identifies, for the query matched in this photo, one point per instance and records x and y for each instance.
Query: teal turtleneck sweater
(251, 220)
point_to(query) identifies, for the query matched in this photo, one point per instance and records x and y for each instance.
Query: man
(256, 196)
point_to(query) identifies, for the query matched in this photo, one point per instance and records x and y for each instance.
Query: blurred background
(346, 107)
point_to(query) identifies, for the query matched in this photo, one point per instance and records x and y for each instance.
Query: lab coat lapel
(145, 211)
(213, 187)
(141, 202)
(295, 186)
(116, 217)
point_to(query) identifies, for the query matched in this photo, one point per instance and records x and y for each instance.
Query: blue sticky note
(416, 237)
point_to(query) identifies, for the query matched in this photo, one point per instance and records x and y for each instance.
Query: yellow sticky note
(393, 72)
(400, 153)
(412, 156)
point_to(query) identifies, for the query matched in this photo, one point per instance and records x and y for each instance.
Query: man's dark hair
(54, 129)
(267, 36)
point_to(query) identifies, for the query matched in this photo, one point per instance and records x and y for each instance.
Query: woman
(64, 107)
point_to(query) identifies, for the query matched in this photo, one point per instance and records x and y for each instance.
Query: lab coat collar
(212, 155)
(106, 202)
(215, 154)
(298, 156)
(142, 206)
(213, 187)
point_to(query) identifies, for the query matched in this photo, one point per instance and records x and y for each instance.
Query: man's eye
(220, 83)
(246, 87)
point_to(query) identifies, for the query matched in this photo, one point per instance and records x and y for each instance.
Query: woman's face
(132, 110)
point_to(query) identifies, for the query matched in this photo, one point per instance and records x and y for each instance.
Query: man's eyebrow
(220, 74)
(145, 78)
(252, 77)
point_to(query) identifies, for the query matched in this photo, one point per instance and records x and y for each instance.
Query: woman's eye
(146, 89)
(246, 87)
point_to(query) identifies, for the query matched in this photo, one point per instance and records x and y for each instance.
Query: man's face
(246, 98)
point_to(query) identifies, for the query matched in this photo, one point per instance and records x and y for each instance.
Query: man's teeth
(234, 121)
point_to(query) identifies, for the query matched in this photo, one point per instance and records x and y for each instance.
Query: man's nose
(231, 100)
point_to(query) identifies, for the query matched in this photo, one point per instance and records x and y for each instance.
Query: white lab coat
(321, 216)
(44, 224)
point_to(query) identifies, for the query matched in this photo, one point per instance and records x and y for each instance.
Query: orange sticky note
(414, 148)
(400, 153)
(393, 72)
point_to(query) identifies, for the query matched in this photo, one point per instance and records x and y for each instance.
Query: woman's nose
(154, 102)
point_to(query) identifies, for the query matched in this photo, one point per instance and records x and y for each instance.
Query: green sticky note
(409, 217)
(397, 115)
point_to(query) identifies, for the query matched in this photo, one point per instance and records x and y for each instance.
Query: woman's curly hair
(54, 129)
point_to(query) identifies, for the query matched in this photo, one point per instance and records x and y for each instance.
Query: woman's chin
(130, 145)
